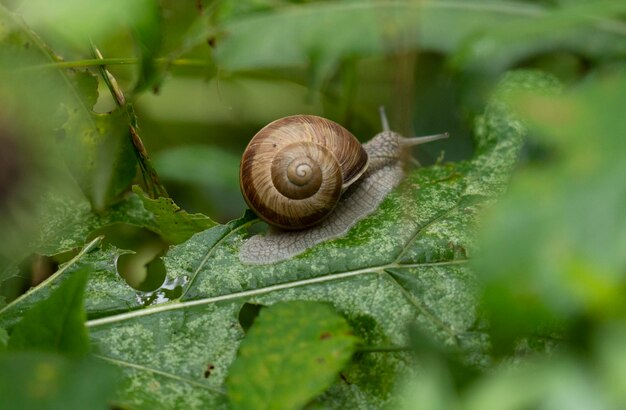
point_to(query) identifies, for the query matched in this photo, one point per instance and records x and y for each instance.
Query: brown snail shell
(295, 169)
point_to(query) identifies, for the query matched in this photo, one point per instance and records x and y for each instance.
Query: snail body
(329, 182)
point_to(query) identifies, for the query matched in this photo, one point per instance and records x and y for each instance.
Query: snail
(311, 180)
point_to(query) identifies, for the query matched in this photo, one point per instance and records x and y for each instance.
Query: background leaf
(72, 25)
(596, 22)
(95, 147)
(297, 36)
(37, 380)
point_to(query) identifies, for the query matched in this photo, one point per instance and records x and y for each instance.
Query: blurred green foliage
(200, 78)
(46, 363)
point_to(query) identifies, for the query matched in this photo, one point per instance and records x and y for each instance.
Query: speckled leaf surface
(300, 338)
(405, 264)
(67, 222)
(171, 222)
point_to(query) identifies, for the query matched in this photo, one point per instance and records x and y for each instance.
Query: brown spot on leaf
(209, 369)
(325, 335)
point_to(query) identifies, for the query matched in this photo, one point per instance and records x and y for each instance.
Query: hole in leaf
(171, 289)
(142, 270)
(248, 314)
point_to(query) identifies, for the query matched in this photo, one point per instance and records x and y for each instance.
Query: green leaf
(306, 339)
(174, 224)
(68, 226)
(98, 151)
(95, 147)
(573, 27)
(298, 36)
(56, 324)
(30, 381)
(405, 264)
(67, 223)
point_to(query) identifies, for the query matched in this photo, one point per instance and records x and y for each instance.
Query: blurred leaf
(591, 28)
(555, 383)
(404, 264)
(174, 224)
(429, 389)
(555, 249)
(147, 31)
(56, 324)
(298, 36)
(95, 147)
(33, 381)
(306, 339)
(208, 166)
(558, 381)
(610, 360)
(78, 22)
(99, 153)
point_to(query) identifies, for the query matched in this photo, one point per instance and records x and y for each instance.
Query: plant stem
(151, 180)
(181, 62)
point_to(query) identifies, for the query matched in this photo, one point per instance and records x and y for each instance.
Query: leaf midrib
(175, 305)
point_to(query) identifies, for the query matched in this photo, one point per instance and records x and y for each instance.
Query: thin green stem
(95, 62)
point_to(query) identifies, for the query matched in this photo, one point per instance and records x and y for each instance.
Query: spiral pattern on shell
(295, 169)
